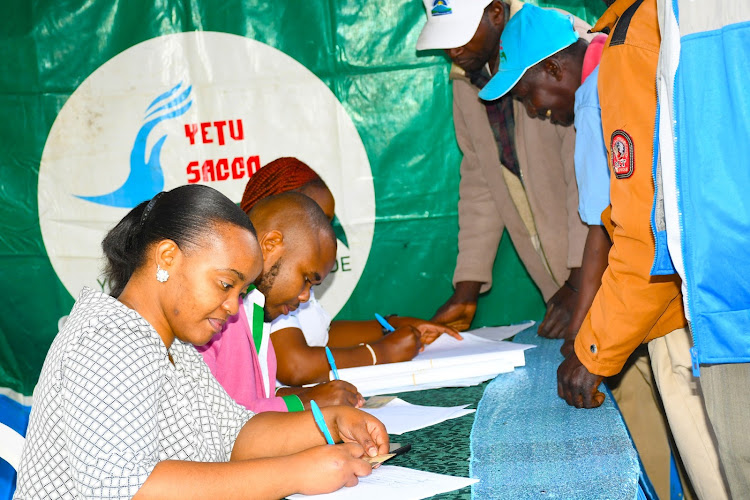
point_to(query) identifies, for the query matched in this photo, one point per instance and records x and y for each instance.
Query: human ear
(553, 68)
(271, 244)
(165, 253)
(497, 13)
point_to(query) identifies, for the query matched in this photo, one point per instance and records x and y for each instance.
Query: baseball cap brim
(501, 83)
(454, 30)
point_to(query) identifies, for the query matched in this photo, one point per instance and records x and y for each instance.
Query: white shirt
(109, 406)
(311, 318)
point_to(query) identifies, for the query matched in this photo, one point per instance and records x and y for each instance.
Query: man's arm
(631, 305)
(592, 194)
(299, 364)
(561, 306)
(344, 333)
(594, 263)
(480, 224)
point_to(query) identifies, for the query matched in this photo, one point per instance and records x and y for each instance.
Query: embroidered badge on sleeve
(621, 154)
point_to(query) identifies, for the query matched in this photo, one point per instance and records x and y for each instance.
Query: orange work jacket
(631, 307)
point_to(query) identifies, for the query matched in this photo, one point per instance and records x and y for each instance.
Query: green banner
(107, 103)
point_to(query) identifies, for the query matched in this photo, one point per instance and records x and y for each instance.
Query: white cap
(450, 23)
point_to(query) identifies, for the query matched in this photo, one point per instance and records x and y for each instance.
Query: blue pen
(332, 362)
(384, 323)
(320, 421)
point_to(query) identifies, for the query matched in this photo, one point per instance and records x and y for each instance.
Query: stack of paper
(447, 362)
(398, 416)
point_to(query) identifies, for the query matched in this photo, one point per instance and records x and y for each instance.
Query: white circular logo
(198, 107)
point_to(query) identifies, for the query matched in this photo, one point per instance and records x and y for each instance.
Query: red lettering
(208, 171)
(204, 132)
(194, 173)
(220, 131)
(238, 168)
(240, 135)
(222, 169)
(253, 165)
(190, 131)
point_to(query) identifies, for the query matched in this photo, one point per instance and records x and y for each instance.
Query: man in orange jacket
(635, 303)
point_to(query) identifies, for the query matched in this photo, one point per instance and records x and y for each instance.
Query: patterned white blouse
(110, 405)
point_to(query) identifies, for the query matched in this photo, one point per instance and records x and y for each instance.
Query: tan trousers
(638, 398)
(683, 403)
(725, 388)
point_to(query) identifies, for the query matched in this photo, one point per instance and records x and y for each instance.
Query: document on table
(390, 481)
(500, 332)
(398, 416)
(447, 362)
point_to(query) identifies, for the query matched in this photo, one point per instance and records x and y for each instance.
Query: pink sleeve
(232, 359)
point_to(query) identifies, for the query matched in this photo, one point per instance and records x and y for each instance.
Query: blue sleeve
(592, 169)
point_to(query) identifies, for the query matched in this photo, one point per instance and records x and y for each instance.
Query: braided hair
(279, 176)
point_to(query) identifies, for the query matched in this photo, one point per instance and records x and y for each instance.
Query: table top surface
(544, 447)
(442, 448)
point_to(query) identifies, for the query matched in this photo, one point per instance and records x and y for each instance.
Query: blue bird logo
(146, 177)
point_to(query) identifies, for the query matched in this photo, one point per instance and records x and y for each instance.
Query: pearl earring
(161, 274)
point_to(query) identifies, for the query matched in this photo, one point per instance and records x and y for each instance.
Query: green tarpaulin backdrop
(363, 51)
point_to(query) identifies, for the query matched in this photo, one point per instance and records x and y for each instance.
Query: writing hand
(401, 345)
(327, 468)
(335, 392)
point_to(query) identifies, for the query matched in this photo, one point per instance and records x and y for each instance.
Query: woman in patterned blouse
(125, 405)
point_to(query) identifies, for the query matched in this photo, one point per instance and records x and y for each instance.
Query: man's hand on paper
(576, 385)
(459, 310)
(401, 345)
(336, 392)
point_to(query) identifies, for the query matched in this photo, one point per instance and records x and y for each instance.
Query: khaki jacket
(631, 307)
(550, 242)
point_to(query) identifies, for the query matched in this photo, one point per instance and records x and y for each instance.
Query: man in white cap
(516, 174)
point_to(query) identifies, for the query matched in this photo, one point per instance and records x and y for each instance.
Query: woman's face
(206, 282)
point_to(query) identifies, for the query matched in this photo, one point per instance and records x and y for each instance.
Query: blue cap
(530, 36)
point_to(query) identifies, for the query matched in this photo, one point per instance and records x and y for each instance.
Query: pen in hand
(320, 421)
(332, 362)
(384, 323)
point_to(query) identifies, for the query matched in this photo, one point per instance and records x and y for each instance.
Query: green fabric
(293, 403)
(257, 322)
(399, 100)
(442, 448)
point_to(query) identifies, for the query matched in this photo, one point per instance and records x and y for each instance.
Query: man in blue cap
(554, 73)
(516, 174)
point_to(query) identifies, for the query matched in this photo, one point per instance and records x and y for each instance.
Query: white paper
(500, 332)
(447, 362)
(398, 416)
(390, 481)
